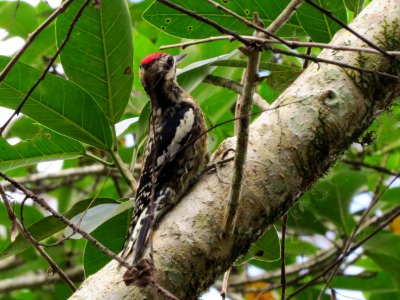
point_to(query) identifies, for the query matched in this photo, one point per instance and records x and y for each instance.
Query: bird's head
(158, 68)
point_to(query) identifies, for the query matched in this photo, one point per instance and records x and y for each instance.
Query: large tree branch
(319, 115)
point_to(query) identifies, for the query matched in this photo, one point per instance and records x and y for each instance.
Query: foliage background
(318, 223)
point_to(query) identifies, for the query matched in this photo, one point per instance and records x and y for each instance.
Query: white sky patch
(353, 270)
(346, 295)
(51, 3)
(50, 167)
(59, 69)
(129, 140)
(396, 182)
(5, 113)
(318, 240)
(360, 202)
(11, 45)
(18, 197)
(255, 271)
(212, 294)
(13, 141)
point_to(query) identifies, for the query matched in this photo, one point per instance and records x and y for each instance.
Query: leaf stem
(122, 168)
(100, 160)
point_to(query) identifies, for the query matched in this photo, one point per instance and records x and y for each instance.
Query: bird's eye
(170, 61)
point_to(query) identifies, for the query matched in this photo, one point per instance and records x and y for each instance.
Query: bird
(175, 153)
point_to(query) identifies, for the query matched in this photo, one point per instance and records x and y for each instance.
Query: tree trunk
(291, 147)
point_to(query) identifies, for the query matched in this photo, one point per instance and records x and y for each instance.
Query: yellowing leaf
(395, 226)
(259, 285)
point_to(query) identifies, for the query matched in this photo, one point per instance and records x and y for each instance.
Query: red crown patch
(151, 57)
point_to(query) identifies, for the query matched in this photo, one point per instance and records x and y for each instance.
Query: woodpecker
(176, 148)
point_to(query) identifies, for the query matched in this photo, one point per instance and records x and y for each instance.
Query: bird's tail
(137, 235)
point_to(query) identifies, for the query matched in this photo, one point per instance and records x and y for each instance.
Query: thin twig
(34, 243)
(332, 62)
(360, 164)
(343, 25)
(382, 223)
(306, 61)
(124, 170)
(245, 104)
(283, 267)
(32, 37)
(247, 22)
(225, 281)
(284, 16)
(37, 280)
(67, 222)
(386, 222)
(290, 44)
(355, 231)
(50, 65)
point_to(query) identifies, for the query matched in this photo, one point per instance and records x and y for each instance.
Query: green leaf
(99, 54)
(18, 18)
(45, 146)
(43, 47)
(303, 219)
(376, 282)
(112, 235)
(394, 294)
(49, 226)
(95, 216)
(332, 197)
(267, 248)
(384, 249)
(57, 104)
(354, 5)
(391, 197)
(192, 75)
(317, 25)
(181, 25)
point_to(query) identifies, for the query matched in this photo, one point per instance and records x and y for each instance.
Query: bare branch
(290, 44)
(67, 222)
(37, 280)
(34, 243)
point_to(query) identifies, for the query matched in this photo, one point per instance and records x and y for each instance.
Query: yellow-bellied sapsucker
(175, 152)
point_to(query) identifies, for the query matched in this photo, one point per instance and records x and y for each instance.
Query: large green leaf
(267, 248)
(384, 249)
(192, 75)
(49, 226)
(18, 18)
(56, 103)
(331, 197)
(303, 219)
(179, 24)
(45, 146)
(377, 282)
(112, 235)
(99, 54)
(355, 5)
(317, 25)
(95, 216)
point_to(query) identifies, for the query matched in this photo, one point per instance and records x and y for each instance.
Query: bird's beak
(180, 57)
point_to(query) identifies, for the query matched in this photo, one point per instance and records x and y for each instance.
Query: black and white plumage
(176, 148)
